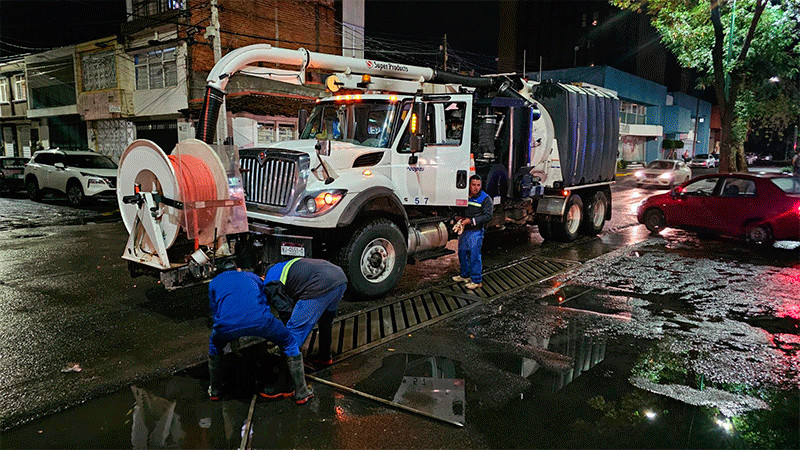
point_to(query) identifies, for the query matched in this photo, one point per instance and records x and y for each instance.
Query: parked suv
(78, 174)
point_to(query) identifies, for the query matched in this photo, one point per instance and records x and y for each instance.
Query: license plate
(292, 250)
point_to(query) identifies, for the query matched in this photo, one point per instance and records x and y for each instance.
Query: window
(143, 8)
(632, 113)
(790, 185)
(704, 187)
(99, 71)
(156, 69)
(20, 89)
(268, 132)
(4, 90)
(738, 187)
(454, 122)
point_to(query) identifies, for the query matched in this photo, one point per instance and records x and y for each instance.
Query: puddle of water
(432, 384)
(595, 402)
(166, 413)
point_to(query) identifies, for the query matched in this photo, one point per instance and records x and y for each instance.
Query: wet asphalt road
(651, 342)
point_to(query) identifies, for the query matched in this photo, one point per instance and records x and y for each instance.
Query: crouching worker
(306, 292)
(240, 307)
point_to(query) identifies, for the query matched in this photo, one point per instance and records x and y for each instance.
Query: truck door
(434, 179)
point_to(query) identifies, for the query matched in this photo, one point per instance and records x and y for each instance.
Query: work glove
(458, 228)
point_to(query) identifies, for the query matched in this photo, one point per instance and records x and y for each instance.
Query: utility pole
(212, 32)
(524, 61)
(444, 53)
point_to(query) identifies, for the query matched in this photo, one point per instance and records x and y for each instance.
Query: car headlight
(92, 181)
(316, 203)
(639, 174)
(665, 176)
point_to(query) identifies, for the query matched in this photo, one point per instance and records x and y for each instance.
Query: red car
(759, 208)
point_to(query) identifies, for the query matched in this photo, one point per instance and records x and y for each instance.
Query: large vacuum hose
(212, 102)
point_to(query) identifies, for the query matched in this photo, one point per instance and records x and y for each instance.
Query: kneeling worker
(309, 291)
(240, 307)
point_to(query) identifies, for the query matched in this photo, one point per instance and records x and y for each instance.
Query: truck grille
(269, 184)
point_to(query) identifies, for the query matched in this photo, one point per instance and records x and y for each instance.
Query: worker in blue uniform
(306, 292)
(240, 307)
(471, 229)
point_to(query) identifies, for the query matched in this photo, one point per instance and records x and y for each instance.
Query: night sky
(28, 26)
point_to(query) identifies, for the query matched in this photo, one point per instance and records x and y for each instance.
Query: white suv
(78, 174)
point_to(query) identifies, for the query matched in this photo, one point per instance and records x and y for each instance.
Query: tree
(735, 46)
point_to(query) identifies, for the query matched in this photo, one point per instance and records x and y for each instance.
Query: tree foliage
(736, 46)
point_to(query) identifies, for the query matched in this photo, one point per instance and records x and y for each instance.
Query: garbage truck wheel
(374, 258)
(595, 212)
(566, 229)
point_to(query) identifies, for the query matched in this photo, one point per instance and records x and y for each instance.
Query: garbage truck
(380, 169)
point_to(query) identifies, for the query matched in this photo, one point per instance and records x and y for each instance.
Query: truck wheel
(32, 186)
(75, 193)
(545, 229)
(566, 229)
(374, 258)
(596, 214)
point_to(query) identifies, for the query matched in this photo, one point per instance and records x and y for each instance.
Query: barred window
(268, 132)
(143, 8)
(99, 71)
(20, 89)
(156, 69)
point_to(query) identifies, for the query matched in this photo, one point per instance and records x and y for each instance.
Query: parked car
(703, 160)
(663, 172)
(78, 174)
(765, 157)
(759, 208)
(11, 173)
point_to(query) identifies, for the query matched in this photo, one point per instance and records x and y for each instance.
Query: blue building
(648, 113)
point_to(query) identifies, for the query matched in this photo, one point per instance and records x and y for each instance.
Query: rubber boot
(215, 377)
(322, 358)
(283, 386)
(302, 393)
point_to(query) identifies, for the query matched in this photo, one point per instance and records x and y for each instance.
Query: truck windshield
(369, 123)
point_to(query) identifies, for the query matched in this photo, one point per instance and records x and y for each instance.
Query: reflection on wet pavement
(432, 384)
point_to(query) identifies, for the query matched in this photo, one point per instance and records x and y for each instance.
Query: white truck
(382, 165)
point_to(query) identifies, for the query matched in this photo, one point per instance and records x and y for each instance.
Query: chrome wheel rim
(573, 219)
(377, 260)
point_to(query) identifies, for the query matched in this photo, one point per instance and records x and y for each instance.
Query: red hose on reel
(197, 185)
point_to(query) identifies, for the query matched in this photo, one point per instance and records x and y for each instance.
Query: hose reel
(189, 191)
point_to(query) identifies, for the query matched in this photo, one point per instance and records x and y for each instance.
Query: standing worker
(471, 229)
(240, 307)
(308, 294)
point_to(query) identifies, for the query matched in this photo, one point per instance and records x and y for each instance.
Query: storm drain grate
(511, 278)
(362, 330)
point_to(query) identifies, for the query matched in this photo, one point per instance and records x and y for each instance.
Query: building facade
(15, 129)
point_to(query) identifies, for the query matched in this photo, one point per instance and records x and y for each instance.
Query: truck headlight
(316, 203)
(639, 174)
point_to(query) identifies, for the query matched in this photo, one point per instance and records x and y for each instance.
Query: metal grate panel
(362, 330)
(270, 184)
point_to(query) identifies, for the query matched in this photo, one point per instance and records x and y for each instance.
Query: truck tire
(545, 228)
(595, 212)
(374, 258)
(568, 227)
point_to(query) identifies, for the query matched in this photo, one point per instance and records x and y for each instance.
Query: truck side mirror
(417, 128)
(302, 119)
